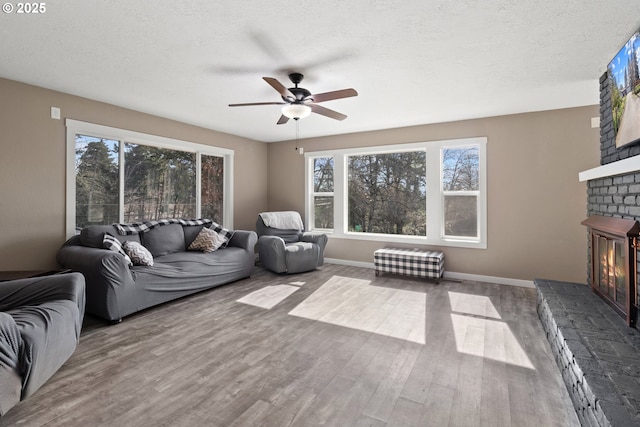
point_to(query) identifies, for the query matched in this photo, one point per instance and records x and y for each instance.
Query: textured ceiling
(412, 62)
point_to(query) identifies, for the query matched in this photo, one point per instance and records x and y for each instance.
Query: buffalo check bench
(410, 262)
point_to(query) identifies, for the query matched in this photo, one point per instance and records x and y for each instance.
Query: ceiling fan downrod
(296, 78)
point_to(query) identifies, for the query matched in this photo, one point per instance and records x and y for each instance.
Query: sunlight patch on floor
(477, 305)
(488, 338)
(270, 296)
(298, 283)
(355, 303)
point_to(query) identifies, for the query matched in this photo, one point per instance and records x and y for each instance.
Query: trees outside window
(460, 187)
(158, 183)
(387, 193)
(96, 169)
(212, 190)
(322, 194)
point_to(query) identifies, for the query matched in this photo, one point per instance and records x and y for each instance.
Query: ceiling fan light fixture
(296, 111)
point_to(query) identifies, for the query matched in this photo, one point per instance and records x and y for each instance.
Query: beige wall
(32, 167)
(535, 202)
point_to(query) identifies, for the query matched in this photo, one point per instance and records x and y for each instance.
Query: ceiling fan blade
(336, 94)
(327, 112)
(257, 103)
(283, 119)
(279, 87)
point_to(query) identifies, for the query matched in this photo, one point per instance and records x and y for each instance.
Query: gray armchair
(40, 322)
(284, 246)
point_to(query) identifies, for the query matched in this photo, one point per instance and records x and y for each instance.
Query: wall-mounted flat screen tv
(625, 92)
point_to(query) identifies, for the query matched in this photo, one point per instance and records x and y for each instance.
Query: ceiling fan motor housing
(300, 93)
(297, 109)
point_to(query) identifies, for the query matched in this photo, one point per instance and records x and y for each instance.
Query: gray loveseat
(40, 322)
(115, 289)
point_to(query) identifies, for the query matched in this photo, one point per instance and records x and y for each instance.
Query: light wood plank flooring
(337, 347)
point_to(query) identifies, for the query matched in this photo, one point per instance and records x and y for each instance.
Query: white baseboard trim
(447, 274)
(489, 279)
(350, 263)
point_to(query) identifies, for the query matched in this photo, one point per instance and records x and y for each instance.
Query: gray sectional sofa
(40, 322)
(116, 289)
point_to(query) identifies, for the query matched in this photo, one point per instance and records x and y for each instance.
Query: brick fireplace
(616, 193)
(597, 352)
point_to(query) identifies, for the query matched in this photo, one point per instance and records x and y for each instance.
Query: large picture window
(387, 193)
(427, 193)
(123, 176)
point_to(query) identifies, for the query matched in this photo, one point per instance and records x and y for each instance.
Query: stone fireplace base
(598, 355)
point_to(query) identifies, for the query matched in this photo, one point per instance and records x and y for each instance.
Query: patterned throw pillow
(227, 234)
(207, 241)
(113, 244)
(138, 253)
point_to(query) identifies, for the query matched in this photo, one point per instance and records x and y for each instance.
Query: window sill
(416, 240)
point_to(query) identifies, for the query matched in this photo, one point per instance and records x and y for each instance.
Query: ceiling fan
(298, 102)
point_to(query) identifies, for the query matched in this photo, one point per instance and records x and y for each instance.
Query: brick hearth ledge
(598, 355)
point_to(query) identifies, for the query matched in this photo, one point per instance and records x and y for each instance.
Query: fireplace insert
(614, 263)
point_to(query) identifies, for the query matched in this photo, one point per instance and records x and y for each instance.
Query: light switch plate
(55, 113)
(595, 122)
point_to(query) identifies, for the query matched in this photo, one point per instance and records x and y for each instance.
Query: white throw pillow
(138, 253)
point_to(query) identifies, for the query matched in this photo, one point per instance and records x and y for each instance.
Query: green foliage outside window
(96, 181)
(158, 183)
(387, 193)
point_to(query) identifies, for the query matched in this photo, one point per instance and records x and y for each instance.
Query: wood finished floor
(337, 347)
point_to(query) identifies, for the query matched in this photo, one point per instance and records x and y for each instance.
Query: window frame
(444, 193)
(75, 127)
(435, 199)
(314, 194)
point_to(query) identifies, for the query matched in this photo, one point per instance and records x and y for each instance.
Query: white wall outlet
(595, 122)
(55, 113)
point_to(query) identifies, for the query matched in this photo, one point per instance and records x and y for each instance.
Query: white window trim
(435, 225)
(75, 127)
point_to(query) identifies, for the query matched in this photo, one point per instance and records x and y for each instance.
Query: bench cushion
(410, 262)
